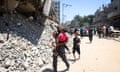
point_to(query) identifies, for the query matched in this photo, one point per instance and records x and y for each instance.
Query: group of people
(59, 39)
(85, 31)
(105, 31)
(58, 42)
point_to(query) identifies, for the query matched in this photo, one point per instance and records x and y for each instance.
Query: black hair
(75, 31)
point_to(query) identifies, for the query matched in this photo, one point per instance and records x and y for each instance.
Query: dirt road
(103, 55)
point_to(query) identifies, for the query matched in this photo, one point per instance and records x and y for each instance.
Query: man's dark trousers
(61, 53)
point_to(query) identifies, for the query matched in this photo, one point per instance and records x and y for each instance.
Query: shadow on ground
(50, 70)
(88, 43)
(63, 70)
(72, 60)
(47, 70)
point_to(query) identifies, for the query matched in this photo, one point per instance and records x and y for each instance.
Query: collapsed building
(25, 28)
(28, 7)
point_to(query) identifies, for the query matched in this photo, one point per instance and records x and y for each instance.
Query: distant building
(67, 24)
(109, 14)
(114, 14)
(101, 16)
(56, 5)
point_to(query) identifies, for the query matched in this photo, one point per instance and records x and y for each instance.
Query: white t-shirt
(111, 28)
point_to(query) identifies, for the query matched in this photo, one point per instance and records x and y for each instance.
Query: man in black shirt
(90, 34)
(76, 45)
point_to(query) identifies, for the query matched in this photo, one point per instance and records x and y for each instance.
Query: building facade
(56, 5)
(114, 14)
(109, 15)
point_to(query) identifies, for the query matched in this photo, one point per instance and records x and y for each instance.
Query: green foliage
(82, 20)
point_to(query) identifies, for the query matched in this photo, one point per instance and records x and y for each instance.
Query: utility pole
(63, 6)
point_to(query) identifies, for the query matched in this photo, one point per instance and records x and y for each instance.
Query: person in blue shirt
(81, 32)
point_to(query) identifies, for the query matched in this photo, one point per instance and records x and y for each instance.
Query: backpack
(62, 37)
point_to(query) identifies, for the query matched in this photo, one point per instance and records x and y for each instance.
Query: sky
(80, 7)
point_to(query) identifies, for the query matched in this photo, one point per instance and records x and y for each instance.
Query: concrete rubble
(24, 43)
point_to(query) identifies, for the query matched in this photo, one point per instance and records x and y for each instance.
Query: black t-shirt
(76, 41)
(90, 31)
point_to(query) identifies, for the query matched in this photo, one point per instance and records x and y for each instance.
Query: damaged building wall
(28, 8)
(24, 45)
(27, 48)
(10, 5)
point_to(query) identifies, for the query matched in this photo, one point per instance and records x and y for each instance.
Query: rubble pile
(24, 43)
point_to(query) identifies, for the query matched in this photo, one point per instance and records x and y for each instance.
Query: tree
(79, 20)
(82, 20)
(90, 19)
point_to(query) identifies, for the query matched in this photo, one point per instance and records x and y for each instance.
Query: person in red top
(60, 48)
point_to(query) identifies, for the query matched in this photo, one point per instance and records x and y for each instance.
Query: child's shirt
(76, 40)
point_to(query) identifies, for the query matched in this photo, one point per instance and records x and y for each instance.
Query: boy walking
(76, 46)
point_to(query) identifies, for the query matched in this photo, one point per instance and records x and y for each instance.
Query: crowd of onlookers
(102, 31)
(105, 31)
